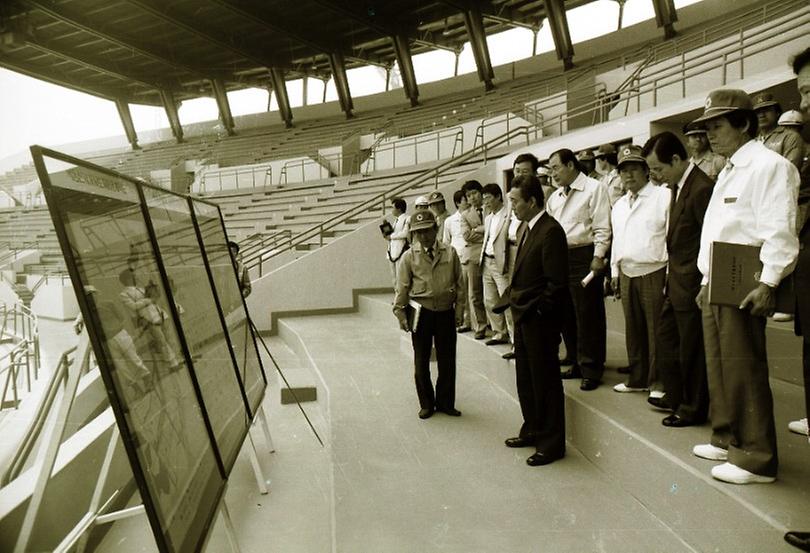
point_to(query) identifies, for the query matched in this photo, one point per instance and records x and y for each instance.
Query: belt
(512, 242)
(489, 256)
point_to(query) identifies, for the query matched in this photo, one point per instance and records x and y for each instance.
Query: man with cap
(588, 162)
(581, 206)
(430, 276)
(437, 207)
(753, 203)
(779, 139)
(638, 265)
(606, 159)
(421, 202)
(707, 161)
(681, 359)
(472, 228)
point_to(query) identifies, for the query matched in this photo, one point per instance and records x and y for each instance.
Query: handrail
(380, 199)
(264, 170)
(339, 157)
(455, 133)
(37, 423)
(265, 241)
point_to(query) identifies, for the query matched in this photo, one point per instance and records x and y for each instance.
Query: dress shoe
(676, 421)
(452, 412)
(566, 361)
(660, 403)
(623, 370)
(623, 388)
(540, 459)
(520, 442)
(480, 334)
(588, 384)
(508, 355)
(425, 413)
(710, 452)
(799, 427)
(462, 329)
(496, 341)
(782, 317)
(571, 373)
(799, 539)
(736, 475)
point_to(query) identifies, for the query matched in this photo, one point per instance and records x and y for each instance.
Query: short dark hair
(234, 245)
(400, 204)
(800, 60)
(665, 145)
(613, 158)
(567, 156)
(529, 187)
(527, 157)
(458, 195)
(471, 185)
(493, 190)
(738, 119)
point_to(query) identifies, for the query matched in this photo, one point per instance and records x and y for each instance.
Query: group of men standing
(542, 272)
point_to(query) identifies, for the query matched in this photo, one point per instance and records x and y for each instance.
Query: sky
(36, 112)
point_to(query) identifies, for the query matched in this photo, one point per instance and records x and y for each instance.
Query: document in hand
(735, 270)
(412, 311)
(386, 229)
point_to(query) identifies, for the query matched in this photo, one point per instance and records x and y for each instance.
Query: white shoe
(736, 475)
(799, 427)
(782, 317)
(623, 388)
(710, 452)
(657, 394)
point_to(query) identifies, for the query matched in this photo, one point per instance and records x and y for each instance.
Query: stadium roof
(159, 52)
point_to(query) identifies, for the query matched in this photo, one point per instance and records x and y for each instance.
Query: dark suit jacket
(801, 283)
(683, 239)
(540, 276)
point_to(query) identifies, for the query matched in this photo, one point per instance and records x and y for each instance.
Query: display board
(159, 333)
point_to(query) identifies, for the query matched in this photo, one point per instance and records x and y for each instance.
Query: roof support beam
(170, 105)
(666, 16)
(280, 88)
(403, 52)
(478, 41)
(126, 120)
(555, 11)
(338, 65)
(221, 96)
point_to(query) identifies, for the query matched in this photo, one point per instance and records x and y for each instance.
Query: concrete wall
(54, 300)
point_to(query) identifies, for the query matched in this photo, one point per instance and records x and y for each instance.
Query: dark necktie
(480, 214)
(567, 190)
(673, 188)
(429, 252)
(632, 198)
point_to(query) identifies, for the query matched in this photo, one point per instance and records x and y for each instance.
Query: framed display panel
(134, 323)
(214, 240)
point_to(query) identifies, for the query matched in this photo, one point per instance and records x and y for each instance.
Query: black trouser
(806, 364)
(682, 361)
(437, 327)
(539, 387)
(584, 327)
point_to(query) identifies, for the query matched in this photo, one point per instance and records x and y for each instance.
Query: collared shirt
(679, 186)
(584, 214)
(399, 237)
(494, 221)
(640, 231)
(710, 163)
(452, 232)
(754, 203)
(785, 142)
(613, 185)
(533, 220)
(511, 234)
(436, 284)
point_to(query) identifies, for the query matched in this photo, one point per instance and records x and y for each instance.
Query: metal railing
(257, 175)
(317, 231)
(256, 253)
(322, 166)
(19, 324)
(509, 121)
(410, 147)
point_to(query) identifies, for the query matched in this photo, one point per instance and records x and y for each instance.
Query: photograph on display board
(237, 319)
(178, 446)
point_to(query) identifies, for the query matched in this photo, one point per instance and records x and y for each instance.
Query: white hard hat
(791, 117)
(421, 200)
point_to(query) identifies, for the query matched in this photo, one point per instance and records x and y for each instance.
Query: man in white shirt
(494, 262)
(753, 203)
(581, 207)
(453, 236)
(606, 160)
(638, 265)
(398, 239)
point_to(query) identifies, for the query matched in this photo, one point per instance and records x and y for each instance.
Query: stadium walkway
(389, 482)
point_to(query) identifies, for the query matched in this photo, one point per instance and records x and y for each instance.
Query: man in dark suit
(681, 355)
(536, 296)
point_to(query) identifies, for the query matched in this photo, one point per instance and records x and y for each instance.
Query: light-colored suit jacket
(399, 238)
(472, 229)
(500, 242)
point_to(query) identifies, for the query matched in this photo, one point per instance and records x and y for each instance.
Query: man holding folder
(753, 204)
